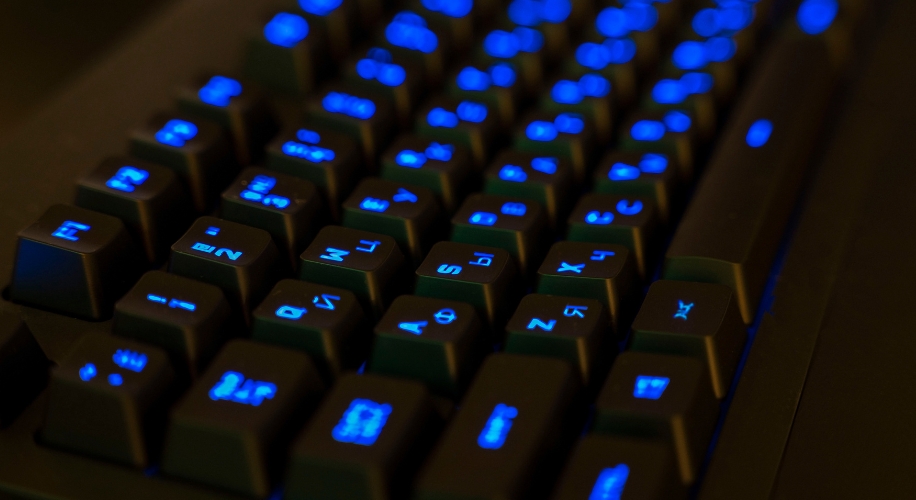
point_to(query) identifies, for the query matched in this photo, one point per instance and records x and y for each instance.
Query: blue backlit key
(241, 260)
(409, 214)
(231, 429)
(398, 80)
(442, 167)
(103, 398)
(287, 55)
(74, 261)
(199, 151)
(368, 264)
(660, 397)
(187, 318)
(323, 321)
(520, 46)
(635, 22)
(356, 113)
(613, 59)
(566, 135)
(717, 56)
(455, 18)
(549, 18)
(689, 91)
(469, 123)
(437, 342)
(408, 34)
(362, 441)
(547, 180)
(496, 84)
(666, 132)
(630, 173)
(337, 19)
(512, 417)
(150, 200)
(23, 367)
(285, 206)
(589, 95)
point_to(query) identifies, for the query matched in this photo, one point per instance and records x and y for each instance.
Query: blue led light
(815, 16)
(473, 112)
(410, 159)
(320, 7)
(568, 268)
(683, 310)
(538, 323)
(115, 379)
(569, 123)
(597, 56)
(504, 44)
(640, 16)
(706, 22)
(720, 49)
(439, 152)
(667, 91)
(326, 301)
(735, 16)
(759, 133)
(233, 386)
(203, 247)
(362, 422)
(69, 229)
(690, 55)
(445, 316)
(566, 92)
(471, 78)
(127, 179)
(513, 173)
(219, 91)
(502, 75)
(571, 311)
(677, 121)
(623, 172)
(599, 218)
(414, 327)
(591, 85)
(371, 246)
(540, 130)
(625, 207)
(451, 8)
(653, 163)
(449, 269)
(601, 254)
(483, 259)
(357, 107)
(313, 154)
(286, 30)
(612, 22)
(259, 192)
(404, 195)
(482, 218)
(440, 117)
(87, 372)
(290, 312)
(696, 83)
(130, 360)
(514, 209)
(374, 204)
(495, 431)
(650, 387)
(409, 31)
(176, 133)
(182, 304)
(534, 12)
(647, 130)
(545, 165)
(610, 483)
(378, 66)
(308, 136)
(156, 298)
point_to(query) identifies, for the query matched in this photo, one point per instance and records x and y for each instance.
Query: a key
(410, 36)
(106, 400)
(74, 261)
(368, 264)
(511, 418)
(398, 81)
(455, 18)
(370, 121)
(288, 54)
(409, 214)
(477, 274)
(187, 318)
(443, 168)
(497, 85)
(573, 329)
(600, 271)
(286, 207)
(626, 220)
(243, 261)
(650, 175)
(469, 123)
(513, 224)
(690, 91)
(337, 19)
(150, 200)
(363, 441)
(656, 396)
(547, 18)
(520, 46)
(713, 55)
(666, 132)
(693, 319)
(589, 95)
(567, 135)
(231, 428)
(323, 321)
(23, 367)
(238, 108)
(547, 180)
(612, 59)
(434, 341)
(199, 151)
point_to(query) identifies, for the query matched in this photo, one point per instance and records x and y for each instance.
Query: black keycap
(325, 322)
(549, 25)
(613, 59)
(477, 274)
(513, 224)
(106, 400)
(337, 20)
(231, 428)
(286, 207)
(574, 329)
(455, 19)
(656, 396)
(351, 111)
(238, 108)
(634, 24)
(692, 54)
(496, 84)
(693, 319)
(434, 341)
(364, 442)
(690, 91)
(241, 260)
(625, 220)
(367, 264)
(469, 123)
(511, 419)
(75, 261)
(199, 151)
(520, 46)
(23, 367)
(398, 80)
(610, 467)
(287, 55)
(547, 180)
(589, 95)
(567, 135)
(666, 132)
(410, 36)
(443, 168)
(187, 318)
(149, 199)
(600, 271)
(650, 175)
(409, 214)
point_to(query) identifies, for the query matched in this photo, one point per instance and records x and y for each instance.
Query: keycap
(337, 20)
(287, 55)
(650, 175)
(243, 261)
(199, 151)
(368, 120)
(567, 135)
(690, 91)
(437, 342)
(733, 226)
(630, 221)
(149, 199)
(548, 20)
(323, 321)
(574, 329)
(610, 467)
(238, 108)
(287, 207)
(455, 18)
(662, 397)
(600, 271)
(482, 276)
(399, 80)
(547, 180)
(714, 55)
(186, 318)
(23, 367)
(520, 46)
(590, 95)
(364, 440)
(469, 123)
(367, 264)
(666, 132)
(693, 319)
(637, 23)
(409, 214)
(103, 400)
(74, 261)
(497, 85)
(230, 429)
(410, 36)
(511, 418)
(611, 58)
(443, 168)
(513, 224)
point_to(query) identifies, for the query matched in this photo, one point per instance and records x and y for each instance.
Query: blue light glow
(370, 247)
(513, 208)
(610, 483)
(566, 92)
(357, 107)
(483, 259)
(683, 310)
(650, 387)
(601, 254)
(439, 152)
(320, 7)
(513, 173)
(410, 159)
(759, 133)
(720, 49)
(473, 112)
(667, 91)
(690, 55)
(591, 85)
(445, 316)
(408, 30)
(440, 117)
(570, 268)
(542, 131)
(313, 154)
(598, 218)
(815, 16)
(290, 312)
(286, 30)
(203, 247)
(623, 172)
(374, 204)
(378, 66)
(414, 327)
(696, 83)
(326, 301)
(482, 218)
(449, 269)
(174, 303)
(404, 195)
(130, 360)
(451, 8)
(625, 207)
(505, 44)
(545, 165)
(706, 22)
(538, 323)
(641, 16)
(534, 12)
(115, 379)
(219, 91)
(127, 179)
(87, 372)
(259, 192)
(647, 130)
(308, 136)
(735, 16)
(597, 56)
(233, 386)
(571, 311)
(69, 229)
(502, 75)
(212, 231)
(612, 22)
(677, 121)
(362, 422)
(569, 123)
(176, 133)
(653, 163)
(472, 79)
(495, 431)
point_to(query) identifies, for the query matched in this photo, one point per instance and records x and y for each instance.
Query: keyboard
(438, 249)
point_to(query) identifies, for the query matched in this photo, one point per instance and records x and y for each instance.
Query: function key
(398, 81)
(496, 85)
(288, 55)
(368, 120)
(567, 135)
(589, 96)
(230, 429)
(520, 46)
(410, 36)
(468, 123)
(336, 18)
(443, 168)
(104, 397)
(23, 367)
(74, 261)
(547, 180)
(148, 198)
(650, 175)
(669, 133)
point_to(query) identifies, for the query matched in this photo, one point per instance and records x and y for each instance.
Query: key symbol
(404, 195)
(445, 316)
(683, 310)
(601, 254)
(570, 268)
(574, 311)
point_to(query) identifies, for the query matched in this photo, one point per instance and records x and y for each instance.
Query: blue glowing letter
(362, 422)
(497, 428)
(650, 387)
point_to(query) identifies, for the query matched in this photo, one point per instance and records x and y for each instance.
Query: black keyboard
(444, 249)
